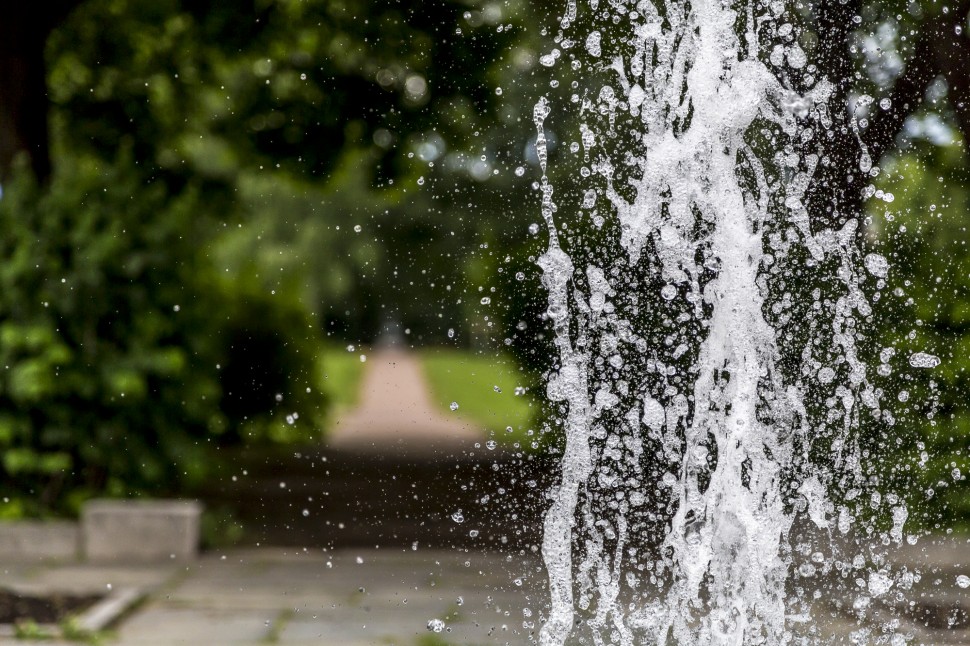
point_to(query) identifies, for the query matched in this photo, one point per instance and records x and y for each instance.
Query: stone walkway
(390, 597)
(396, 412)
(346, 598)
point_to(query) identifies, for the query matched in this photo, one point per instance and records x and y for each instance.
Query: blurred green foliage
(125, 358)
(925, 432)
(379, 132)
(236, 184)
(230, 185)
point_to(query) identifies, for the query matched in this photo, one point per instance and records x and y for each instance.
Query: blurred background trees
(228, 187)
(198, 196)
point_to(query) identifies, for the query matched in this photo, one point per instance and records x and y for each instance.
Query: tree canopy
(198, 193)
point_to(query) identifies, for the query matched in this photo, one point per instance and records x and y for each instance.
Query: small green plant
(30, 629)
(72, 631)
(220, 528)
(273, 636)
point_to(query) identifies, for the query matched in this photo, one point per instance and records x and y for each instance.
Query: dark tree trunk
(834, 194)
(24, 28)
(942, 50)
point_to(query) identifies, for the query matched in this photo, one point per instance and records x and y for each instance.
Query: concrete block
(139, 531)
(23, 541)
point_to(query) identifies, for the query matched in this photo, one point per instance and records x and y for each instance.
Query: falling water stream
(688, 437)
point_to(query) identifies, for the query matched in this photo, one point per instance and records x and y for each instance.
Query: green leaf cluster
(123, 356)
(925, 307)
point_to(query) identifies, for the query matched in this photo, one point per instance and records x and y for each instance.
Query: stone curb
(110, 531)
(96, 618)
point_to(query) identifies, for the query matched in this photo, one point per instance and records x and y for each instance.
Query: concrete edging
(39, 540)
(110, 531)
(95, 619)
(139, 531)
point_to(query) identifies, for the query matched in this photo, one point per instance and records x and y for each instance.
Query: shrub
(119, 350)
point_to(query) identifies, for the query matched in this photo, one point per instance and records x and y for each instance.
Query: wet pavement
(347, 598)
(405, 597)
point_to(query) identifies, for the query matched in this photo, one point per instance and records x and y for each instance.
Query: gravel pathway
(396, 411)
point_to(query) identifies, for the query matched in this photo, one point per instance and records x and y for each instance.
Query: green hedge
(120, 348)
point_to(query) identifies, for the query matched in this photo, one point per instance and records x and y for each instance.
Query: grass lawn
(470, 380)
(340, 378)
(453, 376)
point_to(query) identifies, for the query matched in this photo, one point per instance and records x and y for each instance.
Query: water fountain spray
(707, 199)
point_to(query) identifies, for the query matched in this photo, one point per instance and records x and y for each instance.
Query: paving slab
(86, 578)
(343, 598)
(163, 625)
(388, 597)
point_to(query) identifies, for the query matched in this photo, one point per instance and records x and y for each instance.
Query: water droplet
(306, 512)
(473, 533)
(491, 444)
(826, 375)
(796, 57)
(879, 584)
(519, 171)
(548, 60)
(963, 581)
(360, 561)
(668, 292)
(924, 360)
(877, 265)
(533, 228)
(458, 516)
(453, 406)
(357, 228)
(363, 358)
(486, 300)
(436, 625)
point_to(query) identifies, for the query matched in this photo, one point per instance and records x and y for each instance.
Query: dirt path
(395, 410)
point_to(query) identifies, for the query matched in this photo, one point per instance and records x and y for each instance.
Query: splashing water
(705, 200)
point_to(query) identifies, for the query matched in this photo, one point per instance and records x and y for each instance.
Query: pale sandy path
(395, 411)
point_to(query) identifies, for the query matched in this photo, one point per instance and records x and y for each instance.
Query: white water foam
(680, 422)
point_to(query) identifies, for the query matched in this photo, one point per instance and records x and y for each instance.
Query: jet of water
(712, 206)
